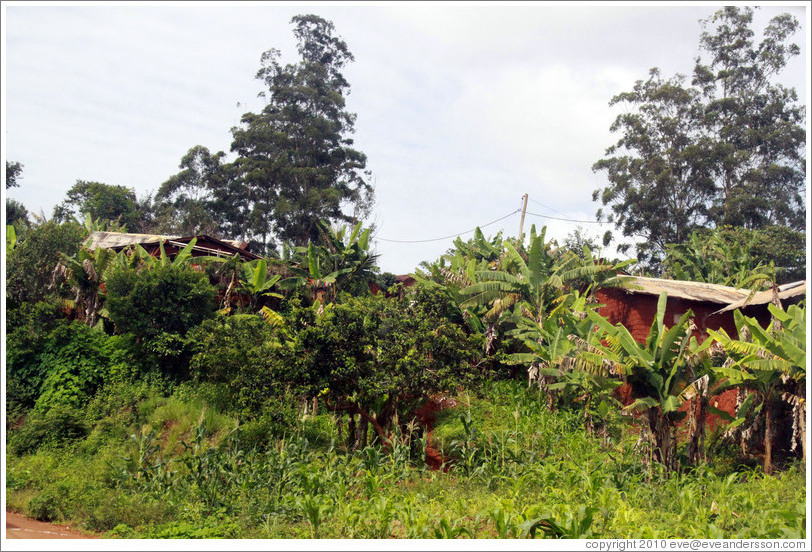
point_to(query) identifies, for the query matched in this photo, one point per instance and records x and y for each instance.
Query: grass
(182, 471)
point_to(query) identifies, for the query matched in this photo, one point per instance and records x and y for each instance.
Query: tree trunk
(361, 433)
(800, 392)
(699, 415)
(590, 428)
(802, 424)
(352, 437)
(768, 440)
(742, 437)
(664, 440)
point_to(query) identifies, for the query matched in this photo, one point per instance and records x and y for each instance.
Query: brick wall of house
(636, 312)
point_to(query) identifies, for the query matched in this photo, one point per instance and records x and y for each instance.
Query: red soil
(426, 415)
(21, 527)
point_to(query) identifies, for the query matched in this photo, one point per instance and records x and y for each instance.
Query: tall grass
(515, 470)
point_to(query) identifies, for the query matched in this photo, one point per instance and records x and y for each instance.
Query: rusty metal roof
(732, 298)
(118, 240)
(682, 289)
(786, 291)
(115, 240)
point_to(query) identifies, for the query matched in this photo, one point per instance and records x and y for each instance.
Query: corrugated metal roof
(681, 289)
(118, 240)
(114, 240)
(785, 291)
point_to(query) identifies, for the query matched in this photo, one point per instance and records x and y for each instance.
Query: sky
(462, 108)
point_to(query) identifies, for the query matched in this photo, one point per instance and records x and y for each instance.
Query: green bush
(243, 357)
(28, 329)
(158, 307)
(30, 264)
(379, 357)
(77, 360)
(46, 506)
(166, 299)
(59, 425)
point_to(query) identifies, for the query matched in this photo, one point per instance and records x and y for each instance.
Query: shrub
(378, 357)
(30, 264)
(57, 426)
(158, 307)
(242, 355)
(77, 360)
(167, 299)
(28, 328)
(58, 363)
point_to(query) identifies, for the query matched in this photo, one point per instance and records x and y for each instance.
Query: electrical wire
(568, 219)
(452, 235)
(545, 206)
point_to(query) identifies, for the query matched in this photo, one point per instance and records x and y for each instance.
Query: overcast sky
(462, 108)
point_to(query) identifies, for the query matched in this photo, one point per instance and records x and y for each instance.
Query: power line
(569, 220)
(545, 206)
(452, 235)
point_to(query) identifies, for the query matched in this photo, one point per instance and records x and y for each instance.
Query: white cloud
(461, 108)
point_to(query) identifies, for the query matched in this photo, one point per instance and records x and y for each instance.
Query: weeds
(518, 471)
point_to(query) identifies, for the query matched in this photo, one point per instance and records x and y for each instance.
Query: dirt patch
(426, 415)
(21, 527)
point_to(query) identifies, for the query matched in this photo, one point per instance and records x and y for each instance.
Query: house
(205, 245)
(634, 304)
(405, 280)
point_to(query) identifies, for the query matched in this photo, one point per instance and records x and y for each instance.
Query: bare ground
(21, 527)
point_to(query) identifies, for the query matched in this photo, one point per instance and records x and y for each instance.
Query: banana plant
(337, 262)
(11, 237)
(183, 256)
(533, 284)
(710, 258)
(85, 274)
(657, 372)
(255, 282)
(771, 363)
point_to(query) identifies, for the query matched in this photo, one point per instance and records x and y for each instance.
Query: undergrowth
(174, 467)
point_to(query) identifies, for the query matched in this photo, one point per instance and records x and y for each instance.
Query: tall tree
(13, 171)
(104, 202)
(183, 204)
(295, 157)
(755, 127)
(727, 150)
(15, 211)
(659, 183)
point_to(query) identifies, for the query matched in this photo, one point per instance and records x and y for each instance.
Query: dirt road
(20, 527)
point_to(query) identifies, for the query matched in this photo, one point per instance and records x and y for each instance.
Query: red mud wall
(636, 312)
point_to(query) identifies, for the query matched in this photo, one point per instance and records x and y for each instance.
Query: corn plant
(577, 525)
(446, 529)
(504, 521)
(315, 508)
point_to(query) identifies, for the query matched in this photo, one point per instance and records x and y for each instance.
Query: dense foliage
(727, 150)
(101, 201)
(311, 396)
(519, 470)
(29, 265)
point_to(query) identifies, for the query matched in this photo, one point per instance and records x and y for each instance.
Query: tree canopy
(726, 150)
(13, 171)
(184, 204)
(295, 157)
(104, 202)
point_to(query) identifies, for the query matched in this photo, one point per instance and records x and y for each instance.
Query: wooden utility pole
(521, 224)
